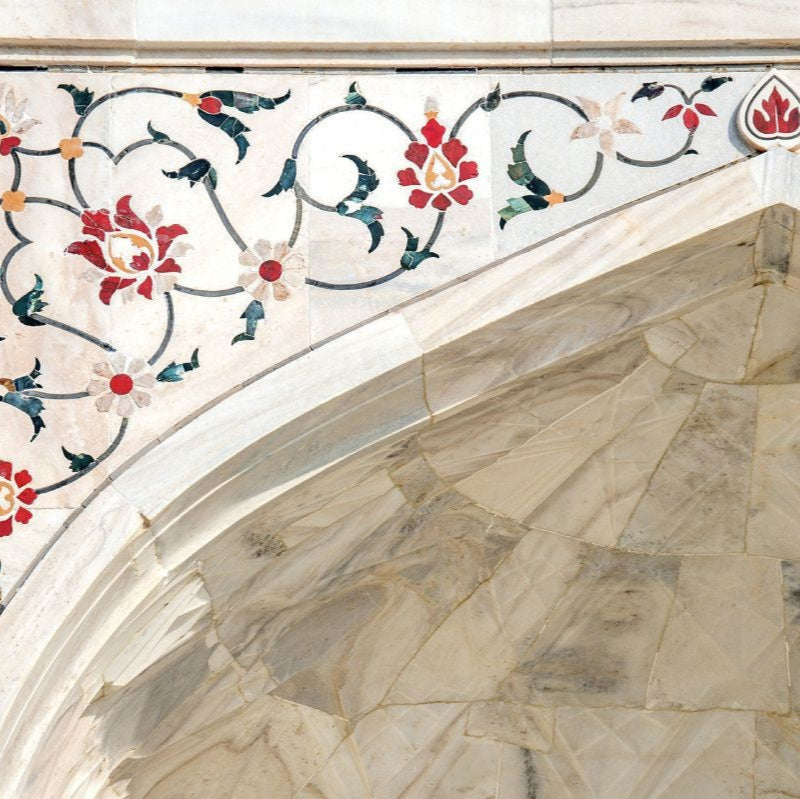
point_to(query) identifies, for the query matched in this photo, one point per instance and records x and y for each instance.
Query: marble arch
(395, 579)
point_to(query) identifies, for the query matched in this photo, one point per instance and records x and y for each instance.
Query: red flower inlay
(128, 251)
(775, 118)
(440, 169)
(14, 496)
(690, 119)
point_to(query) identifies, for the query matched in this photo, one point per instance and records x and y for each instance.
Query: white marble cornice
(414, 34)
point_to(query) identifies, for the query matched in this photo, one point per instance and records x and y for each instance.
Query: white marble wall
(569, 566)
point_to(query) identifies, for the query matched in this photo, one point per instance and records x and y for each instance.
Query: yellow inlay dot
(13, 201)
(70, 148)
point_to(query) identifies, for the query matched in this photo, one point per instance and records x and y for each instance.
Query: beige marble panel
(775, 357)
(670, 340)
(377, 600)
(342, 775)
(332, 526)
(595, 503)
(599, 645)
(271, 748)
(633, 754)
(335, 494)
(696, 500)
(719, 337)
(518, 482)
(777, 763)
(483, 639)
(421, 751)
(155, 709)
(464, 443)
(790, 570)
(772, 526)
(724, 643)
(775, 257)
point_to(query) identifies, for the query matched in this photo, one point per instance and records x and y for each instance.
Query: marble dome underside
(586, 586)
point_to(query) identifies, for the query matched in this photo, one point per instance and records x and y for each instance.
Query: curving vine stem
(540, 195)
(123, 427)
(304, 197)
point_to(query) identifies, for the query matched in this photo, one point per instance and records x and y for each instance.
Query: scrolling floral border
(135, 255)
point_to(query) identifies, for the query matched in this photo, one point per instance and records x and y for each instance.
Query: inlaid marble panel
(552, 551)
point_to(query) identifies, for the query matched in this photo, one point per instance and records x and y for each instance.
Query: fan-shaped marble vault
(543, 544)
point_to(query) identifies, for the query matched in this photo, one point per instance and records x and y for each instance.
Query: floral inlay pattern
(440, 168)
(605, 122)
(136, 254)
(121, 382)
(15, 497)
(271, 271)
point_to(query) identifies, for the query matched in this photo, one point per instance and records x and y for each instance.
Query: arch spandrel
(465, 539)
(344, 200)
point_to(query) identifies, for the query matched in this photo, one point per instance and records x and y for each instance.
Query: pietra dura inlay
(134, 254)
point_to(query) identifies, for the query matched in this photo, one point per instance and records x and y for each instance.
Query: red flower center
(121, 384)
(270, 271)
(211, 105)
